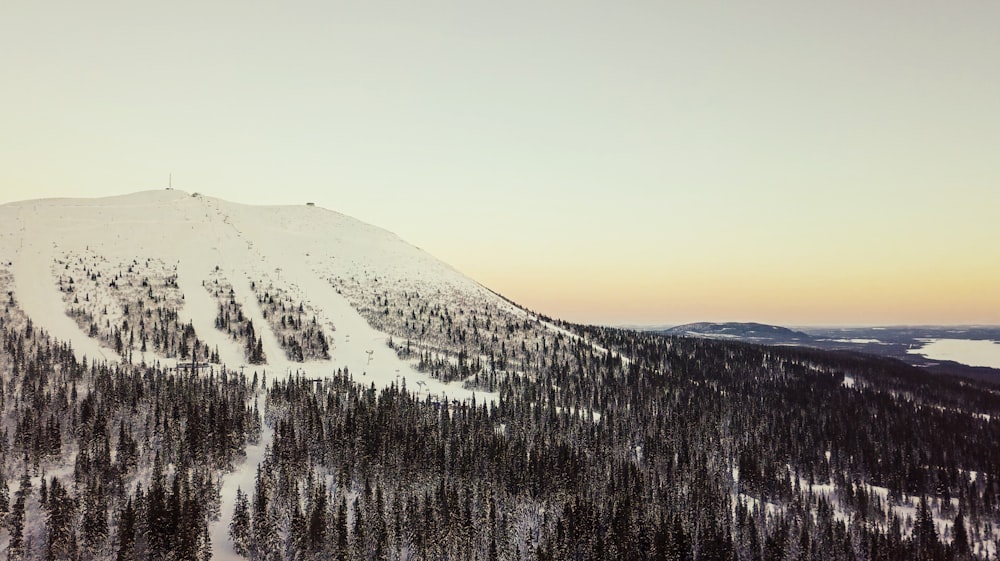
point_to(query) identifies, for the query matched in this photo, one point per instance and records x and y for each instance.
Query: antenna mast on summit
(170, 180)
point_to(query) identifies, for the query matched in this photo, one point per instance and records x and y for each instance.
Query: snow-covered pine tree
(239, 526)
(61, 539)
(126, 532)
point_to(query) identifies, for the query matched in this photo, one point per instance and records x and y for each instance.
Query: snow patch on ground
(243, 478)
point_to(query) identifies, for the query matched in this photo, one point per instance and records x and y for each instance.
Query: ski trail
(200, 307)
(273, 352)
(362, 349)
(242, 263)
(36, 292)
(242, 478)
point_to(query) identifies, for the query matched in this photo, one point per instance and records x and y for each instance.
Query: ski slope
(284, 245)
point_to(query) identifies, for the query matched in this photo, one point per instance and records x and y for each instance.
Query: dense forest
(111, 461)
(600, 444)
(686, 449)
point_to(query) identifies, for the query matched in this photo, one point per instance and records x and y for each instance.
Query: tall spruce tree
(239, 526)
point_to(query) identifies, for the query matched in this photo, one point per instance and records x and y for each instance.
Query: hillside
(167, 276)
(189, 378)
(169, 280)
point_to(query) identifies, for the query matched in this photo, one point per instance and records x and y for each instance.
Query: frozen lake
(965, 351)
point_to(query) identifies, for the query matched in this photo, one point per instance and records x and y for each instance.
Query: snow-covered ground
(294, 247)
(41, 301)
(965, 351)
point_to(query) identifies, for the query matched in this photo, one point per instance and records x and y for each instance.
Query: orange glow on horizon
(865, 299)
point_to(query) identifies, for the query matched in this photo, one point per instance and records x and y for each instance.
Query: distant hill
(748, 331)
(899, 342)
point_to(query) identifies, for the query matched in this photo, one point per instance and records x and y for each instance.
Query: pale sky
(799, 163)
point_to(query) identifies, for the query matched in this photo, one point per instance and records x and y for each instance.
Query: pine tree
(4, 496)
(296, 545)
(24, 489)
(126, 532)
(15, 549)
(960, 539)
(316, 531)
(190, 524)
(95, 520)
(265, 532)
(157, 518)
(341, 524)
(205, 553)
(360, 540)
(925, 533)
(174, 515)
(239, 526)
(60, 526)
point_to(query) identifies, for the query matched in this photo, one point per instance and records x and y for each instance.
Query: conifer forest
(616, 444)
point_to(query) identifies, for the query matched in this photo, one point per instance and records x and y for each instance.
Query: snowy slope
(297, 249)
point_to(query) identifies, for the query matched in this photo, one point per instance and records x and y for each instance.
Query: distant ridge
(901, 342)
(748, 331)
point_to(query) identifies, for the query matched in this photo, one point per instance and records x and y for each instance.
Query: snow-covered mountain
(176, 277)
(182, 280)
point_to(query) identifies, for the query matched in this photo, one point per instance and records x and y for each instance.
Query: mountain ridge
(902, 343)
(741, 330)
